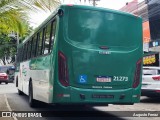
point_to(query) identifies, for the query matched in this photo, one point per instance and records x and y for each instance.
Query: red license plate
(103, 79)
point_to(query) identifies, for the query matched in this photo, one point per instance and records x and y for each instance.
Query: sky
(114, 4)
(38, 18)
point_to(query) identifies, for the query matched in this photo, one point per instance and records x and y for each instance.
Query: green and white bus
(82, 55)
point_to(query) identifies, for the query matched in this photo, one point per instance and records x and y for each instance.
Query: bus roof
(75, 6)
(99, 9)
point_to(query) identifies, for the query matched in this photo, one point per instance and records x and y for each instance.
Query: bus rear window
(102, 28)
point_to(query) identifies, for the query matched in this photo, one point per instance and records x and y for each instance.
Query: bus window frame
(43, 30)
(37, 41)
(52, 33)
(26, 56)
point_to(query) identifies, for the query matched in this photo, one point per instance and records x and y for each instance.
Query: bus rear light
(158, 91)
(60, 95)
(70, 5)
(137, 74)
(157, 78)
(63, 69)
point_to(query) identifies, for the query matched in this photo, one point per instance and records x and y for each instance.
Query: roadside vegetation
(14, 23)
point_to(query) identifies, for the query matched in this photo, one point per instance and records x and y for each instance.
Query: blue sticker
(82, 79)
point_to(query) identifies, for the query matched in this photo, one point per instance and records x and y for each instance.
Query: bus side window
(23, 54)
(43, 40)
(40, 42)
(29, 49)
(26, 53)
(47, 39)
(31, 44)
(37, 44)
(52, 35)
(34, 46)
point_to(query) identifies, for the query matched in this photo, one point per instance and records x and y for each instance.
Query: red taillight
(63, 69)
(137, 74)
(158, 91)
(69, 4)
(157, 78)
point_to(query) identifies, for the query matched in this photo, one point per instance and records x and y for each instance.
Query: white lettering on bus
(120, 78)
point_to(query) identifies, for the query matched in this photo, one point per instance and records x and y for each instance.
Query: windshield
(7, 69)
(102, 28)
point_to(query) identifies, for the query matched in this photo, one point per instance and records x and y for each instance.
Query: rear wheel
(0, 82)
(20, 92)
(6, 82)
(32, 102)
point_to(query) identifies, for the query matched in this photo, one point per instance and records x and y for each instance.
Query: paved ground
(9, 88)
(4, 89)
(8, 94)
(3, 106)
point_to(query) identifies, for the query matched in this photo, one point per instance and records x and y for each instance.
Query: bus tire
(32, 102)
(16, 81)
(20, 92)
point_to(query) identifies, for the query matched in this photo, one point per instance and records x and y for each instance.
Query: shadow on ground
(59, 112)
(152, 99)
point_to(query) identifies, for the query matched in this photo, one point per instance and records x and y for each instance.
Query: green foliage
(12, 21)
(7, 48)
(13, 18)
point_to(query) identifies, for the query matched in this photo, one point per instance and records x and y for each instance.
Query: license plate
(102, 96)
(103, 79)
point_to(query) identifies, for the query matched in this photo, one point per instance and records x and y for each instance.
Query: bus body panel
(87, 61)
(97, 50)
(40, 76)
(38, 71)
(96, 29)
(17, 76)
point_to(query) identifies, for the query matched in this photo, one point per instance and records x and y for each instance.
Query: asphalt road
(20, 103)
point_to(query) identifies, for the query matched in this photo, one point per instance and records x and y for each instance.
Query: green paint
(80, 34)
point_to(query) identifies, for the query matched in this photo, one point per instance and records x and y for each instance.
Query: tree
(12, 12)
(14, 18)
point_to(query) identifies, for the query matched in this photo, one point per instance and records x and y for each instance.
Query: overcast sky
(114, 4)
(37, 18)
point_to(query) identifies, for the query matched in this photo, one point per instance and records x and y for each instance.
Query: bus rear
(99, 57)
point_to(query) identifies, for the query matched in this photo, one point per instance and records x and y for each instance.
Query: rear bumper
(102, 96)
(149, 92)
(95, 96)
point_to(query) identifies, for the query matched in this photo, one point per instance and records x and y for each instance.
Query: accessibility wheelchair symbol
(82, 79)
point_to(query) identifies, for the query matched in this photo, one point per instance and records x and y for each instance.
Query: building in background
(82, 2)
(149, 10)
